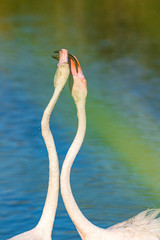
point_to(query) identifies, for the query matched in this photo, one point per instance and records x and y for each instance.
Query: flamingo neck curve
(79, 220)
(46, 221)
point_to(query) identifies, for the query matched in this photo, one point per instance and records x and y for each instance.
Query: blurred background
(116, 174)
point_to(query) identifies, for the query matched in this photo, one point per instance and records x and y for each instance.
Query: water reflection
(116, 173)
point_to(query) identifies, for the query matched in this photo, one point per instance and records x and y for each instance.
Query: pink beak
(74, 72)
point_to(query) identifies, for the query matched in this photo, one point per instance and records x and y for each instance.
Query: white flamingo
(43, 229)
(144, 226)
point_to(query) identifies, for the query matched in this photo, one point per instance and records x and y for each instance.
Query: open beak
(70, 56)
(56, 56)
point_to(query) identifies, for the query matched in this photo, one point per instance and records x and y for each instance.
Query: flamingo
(144, 226)
(43, 229)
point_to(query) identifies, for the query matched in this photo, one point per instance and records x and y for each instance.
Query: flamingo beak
(70, 56)
(56, 56)
(74, 60)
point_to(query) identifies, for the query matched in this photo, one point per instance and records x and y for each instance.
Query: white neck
(46, 221)
(79, 220)
(48, 215)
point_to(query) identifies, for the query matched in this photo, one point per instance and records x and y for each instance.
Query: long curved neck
(48, 215)
(79, 220)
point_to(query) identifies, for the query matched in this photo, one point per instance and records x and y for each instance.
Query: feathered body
(144, 226)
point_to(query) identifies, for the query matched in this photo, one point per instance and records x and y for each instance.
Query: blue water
(106, 189)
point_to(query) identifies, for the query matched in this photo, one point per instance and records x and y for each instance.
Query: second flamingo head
(78, 87)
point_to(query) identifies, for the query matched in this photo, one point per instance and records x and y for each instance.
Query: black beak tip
(55, 56)
(57, 51)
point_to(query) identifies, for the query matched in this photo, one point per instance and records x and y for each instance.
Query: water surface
(116, 173)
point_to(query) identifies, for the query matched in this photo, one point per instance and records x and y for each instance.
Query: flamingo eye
(84, 81)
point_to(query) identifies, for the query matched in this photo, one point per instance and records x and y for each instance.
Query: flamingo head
(78, 86)
(63, 71)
